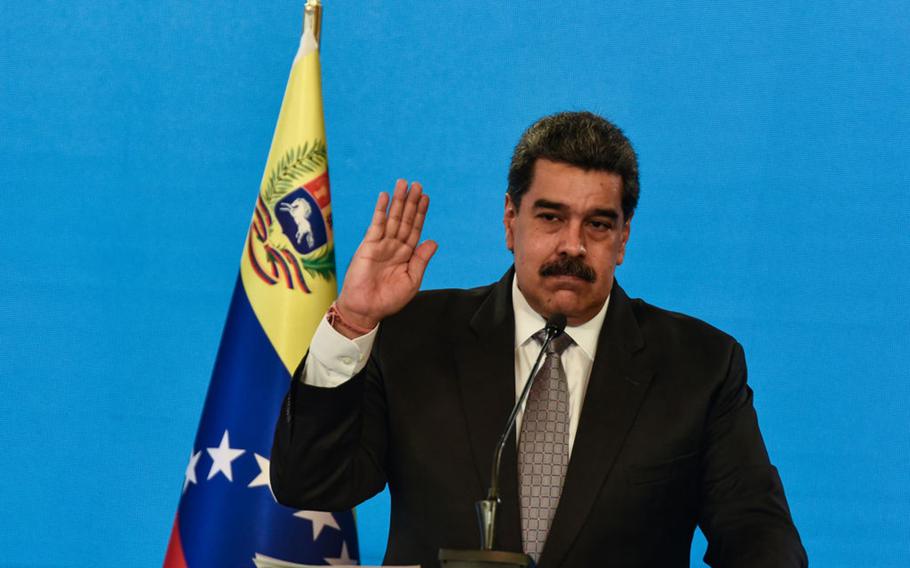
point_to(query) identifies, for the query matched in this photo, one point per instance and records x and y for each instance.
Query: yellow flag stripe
(289, 291)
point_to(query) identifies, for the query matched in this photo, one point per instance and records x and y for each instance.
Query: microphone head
(556, 324)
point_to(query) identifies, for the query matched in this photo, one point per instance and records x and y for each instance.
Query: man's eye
(601, 225)
(548, 217)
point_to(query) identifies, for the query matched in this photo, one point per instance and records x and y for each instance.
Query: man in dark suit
(649, 409)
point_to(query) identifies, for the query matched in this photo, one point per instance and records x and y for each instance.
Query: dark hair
(580, 139)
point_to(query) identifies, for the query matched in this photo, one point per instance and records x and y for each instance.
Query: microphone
(486, 508)
(556, 324)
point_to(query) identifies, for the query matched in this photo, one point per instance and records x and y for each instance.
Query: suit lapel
(485, 362)
(619, 380)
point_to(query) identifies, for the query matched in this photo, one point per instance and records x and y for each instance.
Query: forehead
(572, 186)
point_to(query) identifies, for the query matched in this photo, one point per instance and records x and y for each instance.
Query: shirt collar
(528, 322)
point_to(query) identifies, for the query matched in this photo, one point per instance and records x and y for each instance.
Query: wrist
(347, 323)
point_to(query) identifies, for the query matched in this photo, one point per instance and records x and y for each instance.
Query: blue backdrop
(772, 138)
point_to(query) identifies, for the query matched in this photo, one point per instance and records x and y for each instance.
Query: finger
(419, 260)
(419, 218)
(377, 224)
(410, 209)
(395, 211)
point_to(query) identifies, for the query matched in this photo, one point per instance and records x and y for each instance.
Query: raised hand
(388, 266)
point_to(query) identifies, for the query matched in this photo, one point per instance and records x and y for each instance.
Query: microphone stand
(486, 508)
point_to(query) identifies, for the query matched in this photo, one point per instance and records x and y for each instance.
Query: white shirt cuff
(334, 358)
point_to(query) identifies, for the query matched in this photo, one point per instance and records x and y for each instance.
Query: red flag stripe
(174, 557)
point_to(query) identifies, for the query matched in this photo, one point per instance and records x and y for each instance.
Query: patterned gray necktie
(543, 446)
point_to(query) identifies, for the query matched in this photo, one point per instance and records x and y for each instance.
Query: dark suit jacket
(667, 439)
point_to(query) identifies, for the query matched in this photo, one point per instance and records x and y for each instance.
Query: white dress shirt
(334, 358)
(577, 359)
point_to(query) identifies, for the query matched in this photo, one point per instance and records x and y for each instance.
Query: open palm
(388, 266)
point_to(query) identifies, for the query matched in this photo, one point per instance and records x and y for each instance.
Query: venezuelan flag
(227, 515)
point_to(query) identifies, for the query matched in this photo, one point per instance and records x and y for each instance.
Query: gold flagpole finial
(312, 17)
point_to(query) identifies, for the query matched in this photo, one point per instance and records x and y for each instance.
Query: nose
(572, 242)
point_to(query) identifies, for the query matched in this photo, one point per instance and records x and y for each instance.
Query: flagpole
(312, 16)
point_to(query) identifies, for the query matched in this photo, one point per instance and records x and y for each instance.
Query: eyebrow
(547, 204)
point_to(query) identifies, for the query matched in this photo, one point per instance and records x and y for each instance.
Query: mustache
(569, 266)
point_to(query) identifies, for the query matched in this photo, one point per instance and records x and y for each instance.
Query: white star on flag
(319, 519)
(263, 477)
(222, 456)
(190, 475)
(343, 559)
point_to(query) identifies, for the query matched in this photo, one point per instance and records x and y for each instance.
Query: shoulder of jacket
(441, 305)
(654, 320)
(448, 295)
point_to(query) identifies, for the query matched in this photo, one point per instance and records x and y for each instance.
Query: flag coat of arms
(227, 514)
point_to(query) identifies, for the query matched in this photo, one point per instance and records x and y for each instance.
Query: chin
(568, 307)
(577, 309)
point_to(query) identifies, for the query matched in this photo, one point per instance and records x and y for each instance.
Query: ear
(624, 238)
(508, 220)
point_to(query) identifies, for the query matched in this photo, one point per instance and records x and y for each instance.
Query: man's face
(568, 236)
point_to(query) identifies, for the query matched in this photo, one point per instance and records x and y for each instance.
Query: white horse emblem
(300, 212)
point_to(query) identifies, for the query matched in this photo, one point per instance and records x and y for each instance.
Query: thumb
(419, 260)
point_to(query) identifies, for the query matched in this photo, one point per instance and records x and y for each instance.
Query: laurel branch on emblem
(295, 163)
